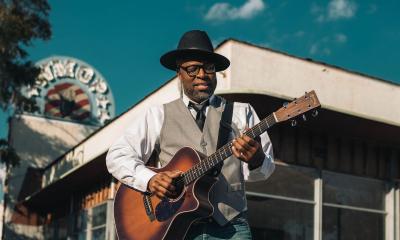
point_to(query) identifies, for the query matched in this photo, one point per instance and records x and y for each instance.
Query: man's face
(198, 79)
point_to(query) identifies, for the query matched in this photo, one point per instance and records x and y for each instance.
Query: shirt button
(203, 144)
(210, 220)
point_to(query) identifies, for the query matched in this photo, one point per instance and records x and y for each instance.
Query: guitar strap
(225, 129)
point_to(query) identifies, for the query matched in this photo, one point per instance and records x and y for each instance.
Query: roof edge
(308, 60)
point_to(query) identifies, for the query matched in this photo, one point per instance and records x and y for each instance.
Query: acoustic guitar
(140, 215)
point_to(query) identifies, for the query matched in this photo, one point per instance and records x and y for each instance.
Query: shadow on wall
(39, 141)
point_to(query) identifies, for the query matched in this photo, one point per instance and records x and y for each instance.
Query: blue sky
(124, 39)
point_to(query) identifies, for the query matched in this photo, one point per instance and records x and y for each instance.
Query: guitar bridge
(148, 206)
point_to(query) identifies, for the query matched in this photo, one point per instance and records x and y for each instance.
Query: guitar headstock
(309, 101)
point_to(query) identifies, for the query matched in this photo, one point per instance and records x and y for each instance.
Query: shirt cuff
(142, 179)
(263, 171)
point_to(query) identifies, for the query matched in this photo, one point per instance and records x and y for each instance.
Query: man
(194, 120)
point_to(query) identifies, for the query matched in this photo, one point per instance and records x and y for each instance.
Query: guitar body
(172, 217)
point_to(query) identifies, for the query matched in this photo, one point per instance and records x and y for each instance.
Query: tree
(21, 22)
(8, 153)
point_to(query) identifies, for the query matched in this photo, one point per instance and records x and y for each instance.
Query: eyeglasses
(193, 70)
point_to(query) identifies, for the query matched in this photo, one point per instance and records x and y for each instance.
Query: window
(283, 206)
(90, 223)
(353, 207)
(99, 217)
(340, 223)
(57, 229)
(280, 219)
(303, 203)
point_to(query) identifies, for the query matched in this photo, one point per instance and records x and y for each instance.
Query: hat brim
(169, 59)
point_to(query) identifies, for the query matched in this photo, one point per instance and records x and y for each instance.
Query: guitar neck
(225, 151)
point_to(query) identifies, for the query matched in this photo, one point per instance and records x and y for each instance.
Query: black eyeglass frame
(196, 71)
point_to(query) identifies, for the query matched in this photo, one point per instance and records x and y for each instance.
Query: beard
(198, 96)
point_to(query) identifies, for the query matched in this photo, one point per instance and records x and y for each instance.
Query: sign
(71, 89)
(68, 163)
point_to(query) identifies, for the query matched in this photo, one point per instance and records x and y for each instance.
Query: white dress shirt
(127, 157)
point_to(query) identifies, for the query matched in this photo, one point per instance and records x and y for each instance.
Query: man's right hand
(161, 184)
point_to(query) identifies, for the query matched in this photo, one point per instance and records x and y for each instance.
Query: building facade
(337, 175)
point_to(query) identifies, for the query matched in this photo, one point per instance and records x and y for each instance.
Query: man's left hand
(248, 150)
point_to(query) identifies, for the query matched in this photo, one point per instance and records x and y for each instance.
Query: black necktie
(201, 115)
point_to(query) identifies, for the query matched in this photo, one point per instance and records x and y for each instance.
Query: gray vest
(179, 130)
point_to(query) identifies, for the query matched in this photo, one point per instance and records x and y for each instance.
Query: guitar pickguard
(168, 208)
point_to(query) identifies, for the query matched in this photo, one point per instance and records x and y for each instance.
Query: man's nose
(201, 73)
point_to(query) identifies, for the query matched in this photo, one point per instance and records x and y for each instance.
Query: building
(337, 175)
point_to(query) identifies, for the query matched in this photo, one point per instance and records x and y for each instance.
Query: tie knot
(200, 115)
(198, 106)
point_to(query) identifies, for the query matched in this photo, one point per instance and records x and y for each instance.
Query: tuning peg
(314, 113)
(293, 123)
(285, 104)
(304, 117)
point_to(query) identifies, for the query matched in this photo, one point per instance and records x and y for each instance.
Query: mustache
(202, 81)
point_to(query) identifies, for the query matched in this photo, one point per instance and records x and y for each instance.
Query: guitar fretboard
(224, 152)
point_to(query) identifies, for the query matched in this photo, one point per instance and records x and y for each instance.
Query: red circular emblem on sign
(68, 101)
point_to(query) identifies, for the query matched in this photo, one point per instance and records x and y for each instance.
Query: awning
(61, 191)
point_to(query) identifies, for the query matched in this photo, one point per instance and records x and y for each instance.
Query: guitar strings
(191, 174)
(253, 132)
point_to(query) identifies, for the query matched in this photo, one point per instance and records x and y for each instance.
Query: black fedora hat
(194, 45)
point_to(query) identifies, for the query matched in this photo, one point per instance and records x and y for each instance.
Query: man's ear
(179, 74)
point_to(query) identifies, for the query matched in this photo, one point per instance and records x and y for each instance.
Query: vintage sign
(71, 89)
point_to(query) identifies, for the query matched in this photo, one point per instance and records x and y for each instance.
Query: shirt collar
(186, 99)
